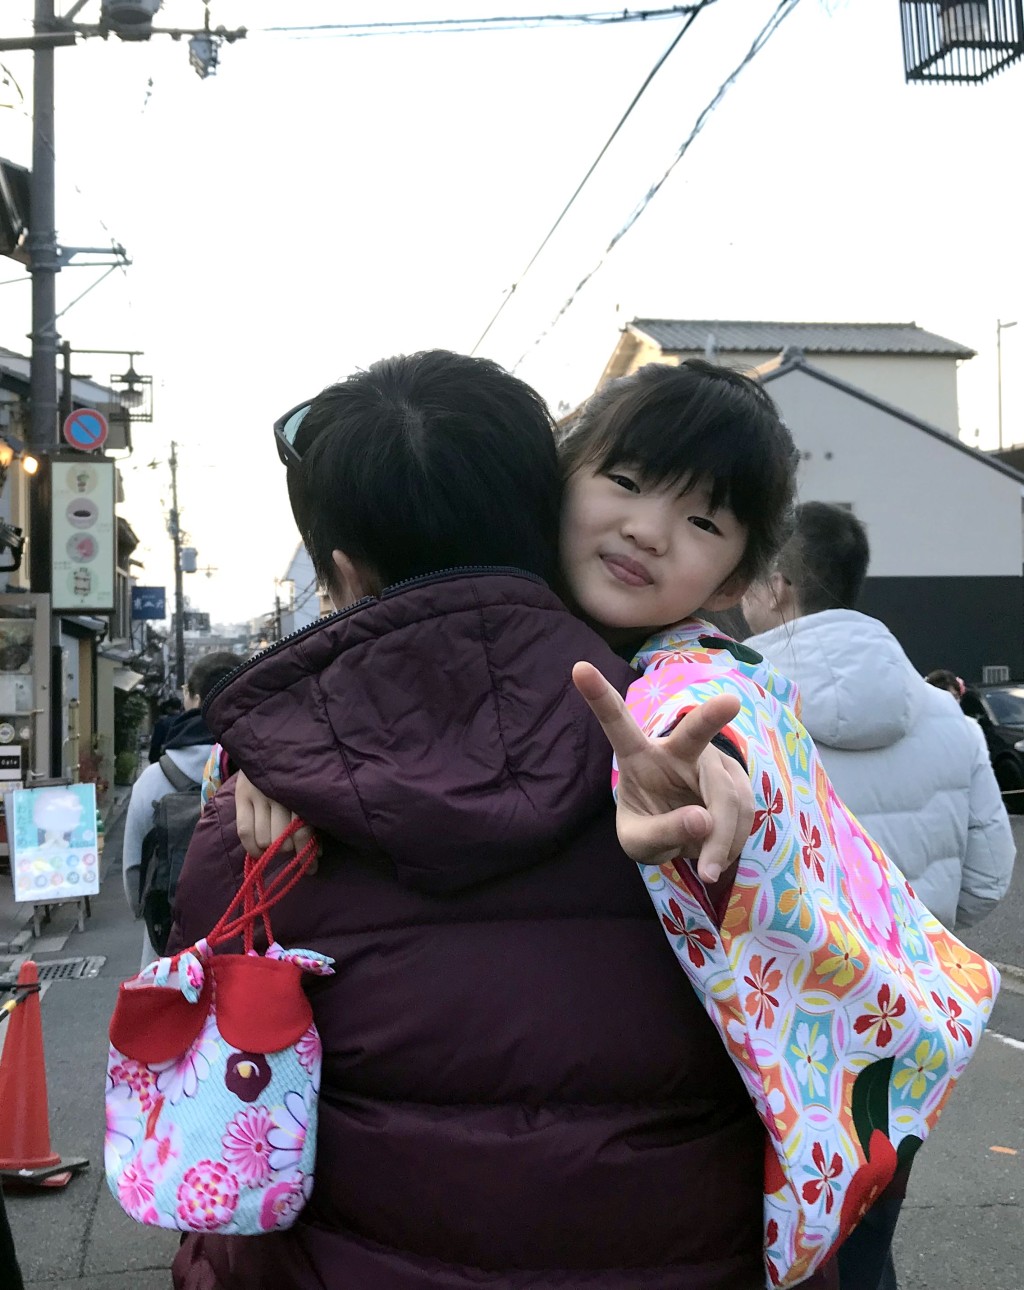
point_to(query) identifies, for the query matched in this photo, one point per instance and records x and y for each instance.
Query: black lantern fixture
(963, 41)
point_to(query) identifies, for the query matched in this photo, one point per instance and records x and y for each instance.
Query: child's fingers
(245, 824)
(723, 801)
(605, 702)
(694, 732)
(655, 839)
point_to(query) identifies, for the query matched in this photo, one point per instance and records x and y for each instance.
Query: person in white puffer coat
(913, 769)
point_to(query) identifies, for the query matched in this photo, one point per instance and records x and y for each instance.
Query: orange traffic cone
(25, 1152)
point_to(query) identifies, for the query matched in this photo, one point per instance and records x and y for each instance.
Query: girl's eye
(624, 481)
(702, 522)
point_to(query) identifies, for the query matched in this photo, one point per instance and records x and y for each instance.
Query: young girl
(831, 985)
(813, 957)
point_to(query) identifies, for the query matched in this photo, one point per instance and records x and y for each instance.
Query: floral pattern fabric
(849, 1011)
(214, 1139)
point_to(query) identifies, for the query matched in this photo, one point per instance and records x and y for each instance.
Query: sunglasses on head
(286, 428)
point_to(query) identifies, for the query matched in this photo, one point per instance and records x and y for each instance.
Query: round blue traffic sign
(86, 429)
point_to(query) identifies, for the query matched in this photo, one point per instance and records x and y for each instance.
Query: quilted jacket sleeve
(988, 864)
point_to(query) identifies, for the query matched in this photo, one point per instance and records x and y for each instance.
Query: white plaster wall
(931, 509)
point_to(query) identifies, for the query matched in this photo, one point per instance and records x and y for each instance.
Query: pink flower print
(867, 887)
(309, 1050)
(762, 1000)
(181, 1076)
(161, 1150)
(765, 817)
(140, 1079)
(952, 1011)
(135, 1191)
(207, 1197)
(124, 1126)
(287, 1134)
(284, 1200)
(247, 1145)
(885, 1016)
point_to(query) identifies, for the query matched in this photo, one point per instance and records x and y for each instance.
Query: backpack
(163, 850)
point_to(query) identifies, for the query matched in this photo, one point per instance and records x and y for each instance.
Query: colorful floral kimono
(849, 1010)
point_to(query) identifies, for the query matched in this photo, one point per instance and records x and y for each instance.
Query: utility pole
(42, 245)
(1000, 328)
(179, 599)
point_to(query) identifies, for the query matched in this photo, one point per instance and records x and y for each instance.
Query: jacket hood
(188, 730)
(858, 688)
(437, 726)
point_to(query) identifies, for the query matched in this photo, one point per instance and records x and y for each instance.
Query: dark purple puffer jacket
(519, 1086)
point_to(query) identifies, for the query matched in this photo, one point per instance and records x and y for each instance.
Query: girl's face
(637, 557)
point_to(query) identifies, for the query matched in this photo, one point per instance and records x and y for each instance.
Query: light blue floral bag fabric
(213, 1074)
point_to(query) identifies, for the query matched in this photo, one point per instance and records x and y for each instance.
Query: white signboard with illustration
(84, 534)
(54, 852)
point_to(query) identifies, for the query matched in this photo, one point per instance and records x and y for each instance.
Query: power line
(780, 14)
(597, 160)
(439, 26)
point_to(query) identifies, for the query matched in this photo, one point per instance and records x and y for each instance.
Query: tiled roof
(691, 336)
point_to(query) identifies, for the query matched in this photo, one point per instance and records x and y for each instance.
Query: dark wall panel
(962, 624)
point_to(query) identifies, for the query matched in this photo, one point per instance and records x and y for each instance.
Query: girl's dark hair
(695, 423)
(427, 462)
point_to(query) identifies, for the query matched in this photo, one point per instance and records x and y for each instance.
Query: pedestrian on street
(188, 748)
(899, 753)
(170, 709)
(518, 1082)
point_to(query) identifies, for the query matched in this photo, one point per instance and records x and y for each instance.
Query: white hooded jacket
(902, 756)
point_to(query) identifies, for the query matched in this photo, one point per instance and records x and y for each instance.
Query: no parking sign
(86, 429)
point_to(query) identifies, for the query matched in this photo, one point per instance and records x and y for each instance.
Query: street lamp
(132, 391)
(1000, 328)
(963, 41)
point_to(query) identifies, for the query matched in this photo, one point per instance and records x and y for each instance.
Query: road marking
(1004, 1151)
(1006, 1039)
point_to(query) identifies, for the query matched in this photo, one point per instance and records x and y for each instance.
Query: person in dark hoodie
(170, 710)
(519, 1088)
(188, 746)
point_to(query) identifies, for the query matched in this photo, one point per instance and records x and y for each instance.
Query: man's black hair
(427, 462)
(696, 423)
(170, 705)
(826, 559)
(208, 669)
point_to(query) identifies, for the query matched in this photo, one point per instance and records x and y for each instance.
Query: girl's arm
(677, 794)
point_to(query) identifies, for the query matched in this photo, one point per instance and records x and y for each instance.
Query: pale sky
(323, 202)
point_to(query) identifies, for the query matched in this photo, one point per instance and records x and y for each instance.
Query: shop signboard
(84, 535)
(52, 836)
(149, 602)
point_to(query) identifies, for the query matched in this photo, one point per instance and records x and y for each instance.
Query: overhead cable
(780, 14)
(596, 162)
(440, 26)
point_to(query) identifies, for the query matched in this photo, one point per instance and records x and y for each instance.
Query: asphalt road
(962, 1225)
(1001, 939)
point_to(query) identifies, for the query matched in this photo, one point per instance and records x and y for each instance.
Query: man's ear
(349, 583)
(729, 594)
(784, 594)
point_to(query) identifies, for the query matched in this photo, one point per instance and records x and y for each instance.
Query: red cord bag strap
(256, 896)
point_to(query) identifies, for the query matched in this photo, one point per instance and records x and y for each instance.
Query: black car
(999, 710)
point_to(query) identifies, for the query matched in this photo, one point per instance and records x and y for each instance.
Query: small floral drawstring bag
(213, 1074)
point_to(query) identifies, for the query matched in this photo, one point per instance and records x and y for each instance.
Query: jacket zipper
(421, 580)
